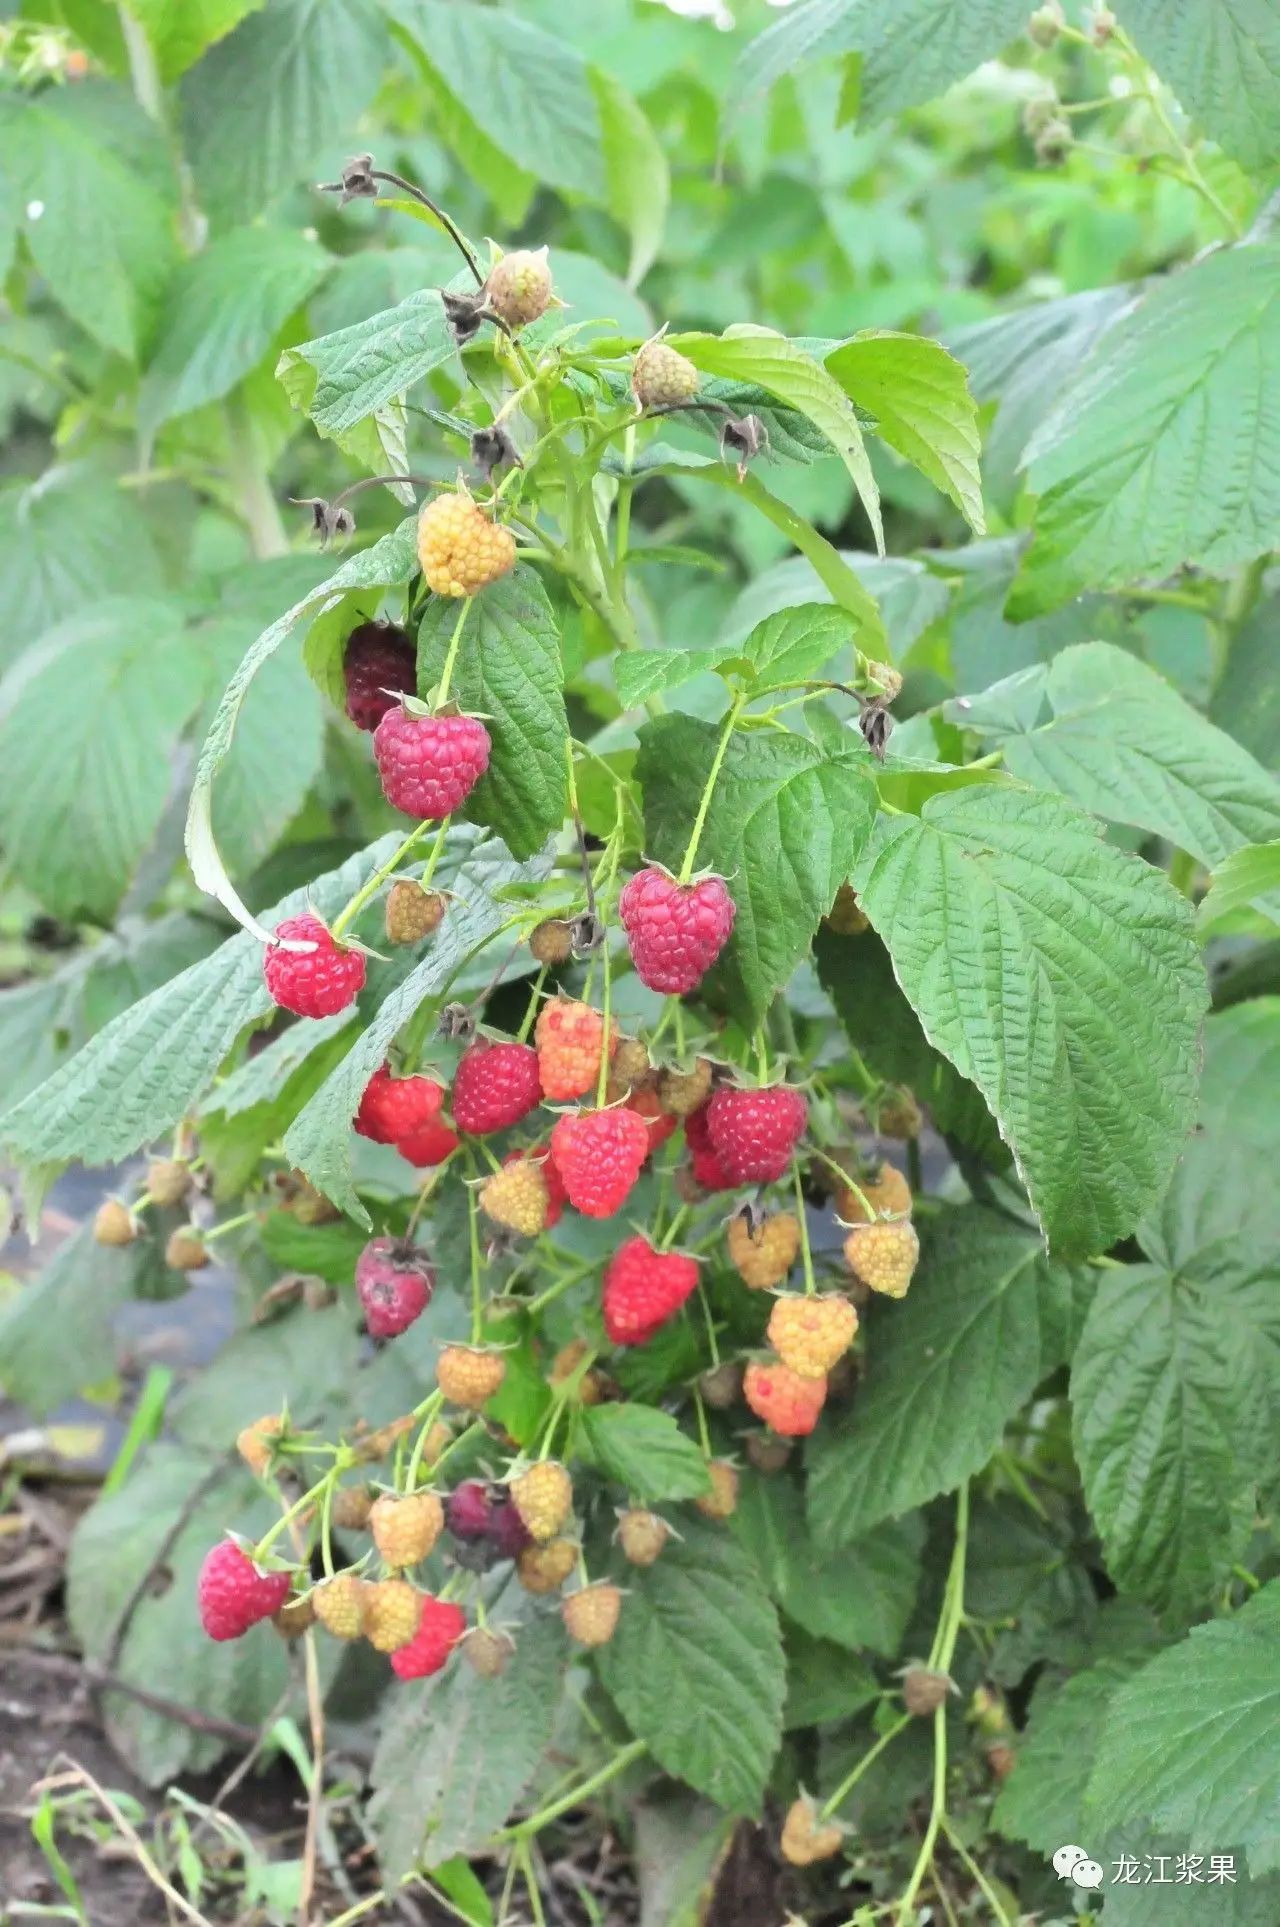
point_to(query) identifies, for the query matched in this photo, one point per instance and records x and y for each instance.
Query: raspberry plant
(756, 1256)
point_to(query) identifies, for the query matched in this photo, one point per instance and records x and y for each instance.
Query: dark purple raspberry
(377, 659)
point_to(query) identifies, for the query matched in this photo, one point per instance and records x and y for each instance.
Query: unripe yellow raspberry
(630, 1067)
(340, 1605)
(722, 1500)
(591, 1385)
(352, 1505)
(412, 912)
(460, 548)
(542, 1569)
(551, 941)
(642, 1535)
(185, 1251)
(392, 1610)
(518, 289)
(680, 1093)
(405, 1530)
(591, 1616)
(516, 1197)
(661, 377)
(899, 1115)
(810, 1332)
(764, 1255)
(883, 1256)
(888, 1194)
(487, 1651)
(469, 1376)
(256, 1443)
(543, 1496)
(114, 1223)
(805, 1838)
(168, 1181)
(294, 1617)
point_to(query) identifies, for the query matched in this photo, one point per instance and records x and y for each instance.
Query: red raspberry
(782, 1398)
(429, 764)
(600, 1154)
(439, 1629)
(704, 1161)
(316, 982)
(675, 930)
(233, 1595)
(377, 659)
(645, 1104)
(469, 1510)
(430, 1144)
(495, 1086)
(396, 1107)
(753, 1133)
(394, 1282)
(643, 1288)
(557, 1196)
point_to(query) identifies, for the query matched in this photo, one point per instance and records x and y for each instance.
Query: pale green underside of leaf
(1222, 59)
(1061, 977)
(919, 397)
(696, 1666)
(1165, 450)
(986, 1317)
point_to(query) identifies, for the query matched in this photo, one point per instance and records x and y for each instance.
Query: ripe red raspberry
(440, 1627)
(394, 1282)
(378, 659)
(396, 1107)
(495, 1086)
(557, 1197)
(675, 930)
(429, 765)
(233, 1595)
(430, 1144)
(704, 1160)
(784, 1400)
(599, 1154)
(753, 1133)
(570, 1037)
(316, 982)
(643, 1288)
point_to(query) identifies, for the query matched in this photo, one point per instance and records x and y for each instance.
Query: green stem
(712, 1343)
(473, 1236)
(976, 1874)
(944, 1646)
(552, 1292)
(691, 854)
(704, 1436)
(526, 1829)
(451, 657)
(868, 1759)
(352, 909)
(522, 1035)
(427, 1415)
(309, 1497)
(802, 1218)
(229, 1224)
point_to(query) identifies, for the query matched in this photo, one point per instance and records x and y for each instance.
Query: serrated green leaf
(785, 371)
(223, 310)
(327, 1251)
(1042, 1804)
(952, 1363)
(80, 1289)
(1193, 1741)
(304, 1359)
(114, 688)
(1061, 977)
(264, 1075)
(785, 827)
(1249, 877)
(919, 397)
(342, 379)
(696, 1666)
(508, 670)
(637, 178)
(1222, 59)
(825, 1682)
(1023, 1573)
(909, 597)
(647, 672)
(75, 539)
(456, 1751)
(1160, 452)
(791, 646)
(179, 35)
(644, 1451)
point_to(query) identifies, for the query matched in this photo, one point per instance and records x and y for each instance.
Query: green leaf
(784, 370)
(113, 688)
(920, 400)
(1222, 59)
(785, 827)
(223, 311)
(637, 178)
(263, 1076)
(80, 1289)
(179, 35)
(1042, 1804)
(908, 52)
(327, 1251)
(1250, 876)
(644, 1450)
(792, 646)
(116, 1541)
(270, 105)
(909, 597)
(341, 379)
(457, 1751)
(99, 234)
(1160, 453)
(509, 671)
(825, 1683)
(76, 538)
(1098, 726)
(1061, 977)
(1193, 1742)
(981, 1325)
(696, 1666)
(860, 1598)
(305, 1359)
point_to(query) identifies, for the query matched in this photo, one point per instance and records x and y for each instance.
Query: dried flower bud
(743, 436)
(491, 449)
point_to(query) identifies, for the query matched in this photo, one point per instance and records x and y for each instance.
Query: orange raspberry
(887, 1192)
(763, 1255)
(460, 548)
(591, 1616)
(883, 1255)
(340, 1605)
(542, 1569)
(809, 1333)
(642, 1535)
(412, 912)
(782, 1398)
(569, 1037)
(517, 1197)
(806, 1838)
(543, 1496)
(469, 1376)
(680, 1093)
(257, 1442)
(722, 1500)
(114, 1223)
(391, 1614)
(405, 1530)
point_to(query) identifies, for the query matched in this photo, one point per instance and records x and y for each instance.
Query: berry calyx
(517, 1197)
(429, 765)
(599, 1155)
(379, 664)
(884, 1255)
(495, 1086)
(317, 982)
(233, 1594)
(782, 1398)
(518, 289)
(591, 1615)
(413, 913)
(441, 1624)
(642, 1536)
(643, 1288)
(469, 1376)
(675, 931)
(661, 377)
(570, 1037)
(543, 1496)
(810, 1332)
(763, 1252)
(461, 549)
(405, 1530)
(753, 1133)
(394, 1283)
